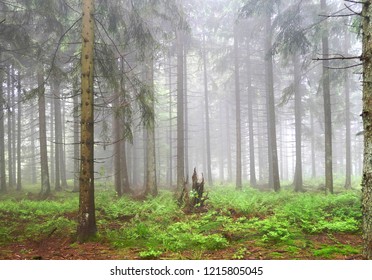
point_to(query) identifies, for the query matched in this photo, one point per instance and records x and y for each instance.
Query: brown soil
(54, 248)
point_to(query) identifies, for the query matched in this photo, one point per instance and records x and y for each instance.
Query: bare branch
(339, 57)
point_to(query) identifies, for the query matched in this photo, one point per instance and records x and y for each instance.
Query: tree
(237, 113)
(3, 187)
(274, 180)
(327, 104)
(45, 182)
(206, 108)
(367, 124)
(86, 218)
(180, 115)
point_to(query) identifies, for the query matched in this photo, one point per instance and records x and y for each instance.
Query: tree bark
(250, 95)
(367, 124)
(238, 181)
(274, 180)
(86, 218)
(57, 134)
(206, 109)
(117, 147)
(151, 184)
(3, 186)
(19, 133)
(180, 116)
(347, 116)
(45, 183)
(298, 182)
(76, 119)
(327, 104)
(10, 136)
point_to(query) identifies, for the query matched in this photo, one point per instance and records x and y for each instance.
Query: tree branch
(340, 57)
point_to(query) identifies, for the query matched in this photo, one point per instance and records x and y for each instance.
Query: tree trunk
(347, 115)
(313, 163)
(327, 104)
(52, 140)
(367, 124)
(206, 109)
(170, 113)
(19, 132)
(76, 119)
(45, 183)
(3, 187)
(86, 218)
(57, 134)
(186, 114)
(250, 94)
(10, 136)
(298, 182)
(151, 184)
(33, 146)
(117, 147)
(237, 113)
(274, 180)
(180, 116)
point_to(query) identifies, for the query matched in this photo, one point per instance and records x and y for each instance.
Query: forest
(185, 130)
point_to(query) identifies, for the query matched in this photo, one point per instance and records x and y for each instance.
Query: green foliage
(150, 254)
(157, 226)
(329, 252)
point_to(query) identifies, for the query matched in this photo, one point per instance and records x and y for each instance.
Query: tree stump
(197, 197)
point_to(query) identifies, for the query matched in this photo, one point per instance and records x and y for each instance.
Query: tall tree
(237, 112)
(327, 103)
(347, 114)
(206, 108)
(151, 183)
(3, 187)
(86, 218)
(274, 180)
(45, 182)
(180, 114)
(367, 124)
(19, 133)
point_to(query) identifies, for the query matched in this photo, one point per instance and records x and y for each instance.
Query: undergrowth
(157, 226)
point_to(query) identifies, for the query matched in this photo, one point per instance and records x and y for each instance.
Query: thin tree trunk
(19, 133)
(33, 146)
(186, 114)
(3, 186)
(86, 218)
(313, 163)
(10, 136)
(57, 134)
(347, 116)
(52, 140)
(62, 146)
(250, 94)
(170, 113)
(117, 147)
(327, 105)
(298, 182)
(45, 183)
(206, 108)
(151, 184)
(238, 181)
(180, 116)
(274, 180)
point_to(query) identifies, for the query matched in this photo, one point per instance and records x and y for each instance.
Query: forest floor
(248, 225)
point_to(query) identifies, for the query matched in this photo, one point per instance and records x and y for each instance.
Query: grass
(234, 222)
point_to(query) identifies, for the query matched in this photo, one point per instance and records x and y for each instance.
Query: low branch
(341, 57)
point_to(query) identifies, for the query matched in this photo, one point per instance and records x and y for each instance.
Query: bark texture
(367, 124)
(86, 218)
